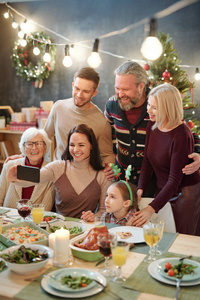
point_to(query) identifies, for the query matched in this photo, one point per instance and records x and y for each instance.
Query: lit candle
(62, 245)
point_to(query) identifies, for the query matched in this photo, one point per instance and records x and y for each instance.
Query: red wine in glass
(24, 208)
(24, 211)
(105, 249)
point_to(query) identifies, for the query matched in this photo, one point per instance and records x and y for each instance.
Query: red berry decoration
(190, 124)
(146, 67)
(166, 74)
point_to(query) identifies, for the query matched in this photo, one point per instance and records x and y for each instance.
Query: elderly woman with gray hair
(34, 144)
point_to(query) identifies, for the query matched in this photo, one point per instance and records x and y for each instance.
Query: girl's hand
(143, 216)
(12, 174)
(87, 216)
(139, 194)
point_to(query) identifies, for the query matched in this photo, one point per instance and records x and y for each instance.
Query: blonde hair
(169, 105)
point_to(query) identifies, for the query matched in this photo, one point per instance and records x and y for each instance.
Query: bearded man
(127, 115)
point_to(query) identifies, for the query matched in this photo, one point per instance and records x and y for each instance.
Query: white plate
(69, 224)
(48, 213)
(82, 294)
(74, 272)
(175, 261)
(153, 271)
(137, 233)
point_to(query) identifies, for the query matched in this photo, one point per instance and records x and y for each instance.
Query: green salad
(75, 282)
(24, 255)
(72, 230)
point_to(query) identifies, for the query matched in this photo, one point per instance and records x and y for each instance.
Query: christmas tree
(167, 69)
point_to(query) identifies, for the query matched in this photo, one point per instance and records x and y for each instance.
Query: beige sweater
(11, 193)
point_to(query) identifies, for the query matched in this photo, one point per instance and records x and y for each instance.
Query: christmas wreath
(30, 66)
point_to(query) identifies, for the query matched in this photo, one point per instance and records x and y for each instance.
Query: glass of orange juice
(119, 251)
(37, 212)
(1, 223)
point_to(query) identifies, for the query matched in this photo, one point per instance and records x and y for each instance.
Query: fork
(178, 282)
(108, 290)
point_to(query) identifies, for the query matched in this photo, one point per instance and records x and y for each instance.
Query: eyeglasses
(37, 144)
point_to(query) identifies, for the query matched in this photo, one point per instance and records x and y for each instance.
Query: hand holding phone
(28, 173)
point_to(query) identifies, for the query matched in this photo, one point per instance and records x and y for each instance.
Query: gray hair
(132, 67)
(31, 133)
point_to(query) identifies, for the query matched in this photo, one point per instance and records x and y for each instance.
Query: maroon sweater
(166, 153)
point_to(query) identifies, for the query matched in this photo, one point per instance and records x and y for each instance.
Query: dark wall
(81, 20)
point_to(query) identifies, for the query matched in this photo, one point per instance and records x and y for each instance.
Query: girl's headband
(116, 170)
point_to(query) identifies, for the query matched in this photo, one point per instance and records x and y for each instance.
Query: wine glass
(119, 251)
(161, 225)
(104, 241)
(24, 208)
(152, 236)
(37, 212)
(99, 221)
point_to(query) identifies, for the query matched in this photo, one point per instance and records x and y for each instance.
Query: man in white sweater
(68, 113)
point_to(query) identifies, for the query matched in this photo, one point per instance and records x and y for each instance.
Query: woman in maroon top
(169, 142)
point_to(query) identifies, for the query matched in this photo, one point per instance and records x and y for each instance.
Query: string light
(94, 60)
(6, 14)
(14, 24)
(36, 50)
(47, 57)
(197, 74)
(152, 48)
(25, 26)
(20, 33)
(67, 61)
(23, 41)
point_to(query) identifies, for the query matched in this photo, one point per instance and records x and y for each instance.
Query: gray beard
(127, 107)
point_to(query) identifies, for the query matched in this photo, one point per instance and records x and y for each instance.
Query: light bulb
(67, 61)
(25, 26)
(6, 15)
(23, 42)
(14, 25)
(151, 48)
(36, 51)
(94, 60)
(197, 74)
(47, 57)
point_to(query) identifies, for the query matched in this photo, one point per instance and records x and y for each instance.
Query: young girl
(79, 180)
(120, 203)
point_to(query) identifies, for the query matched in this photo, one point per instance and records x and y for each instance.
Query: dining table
(141, 281)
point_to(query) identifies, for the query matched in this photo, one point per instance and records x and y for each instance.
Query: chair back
(166, 214)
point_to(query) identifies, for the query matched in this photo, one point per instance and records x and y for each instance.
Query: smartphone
(28, 173)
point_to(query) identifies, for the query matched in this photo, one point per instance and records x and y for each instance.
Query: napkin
(3, 210)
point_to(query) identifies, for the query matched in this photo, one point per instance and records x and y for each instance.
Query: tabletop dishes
(195, 275)
(136, 234)
(88, 255)
(75, 228)
(28, 268)
(154, 272)
(54, 217)
(95, 289)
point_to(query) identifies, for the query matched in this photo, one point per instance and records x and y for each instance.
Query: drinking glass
(161, 224)
(152, 236)
(37, 212)
(99, 221)
(104, 242)
(24, 208)
(119, 251)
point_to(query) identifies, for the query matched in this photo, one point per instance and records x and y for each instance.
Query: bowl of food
(24, 233)
(85, 245)
(75, 228)
(26, 259)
